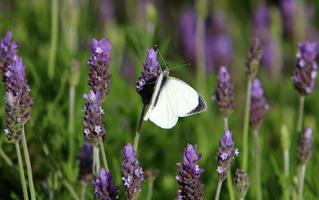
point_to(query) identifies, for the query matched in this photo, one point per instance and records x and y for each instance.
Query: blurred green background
(54, 37)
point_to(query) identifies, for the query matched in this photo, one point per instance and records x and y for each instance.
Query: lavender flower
(93, 113)
(18, 101)
(146, 82)
(305, 146)
(104, 186)
(225, 155)
(99, 61)
(288, 10)
(253, 58)
(190, 185)
(85, 163)
(132, 173)
(305, 72)
(8, 51)
(258, 106)
(242, 182)
(224, 94)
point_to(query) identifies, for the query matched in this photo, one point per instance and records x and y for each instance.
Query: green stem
(54, 37)
(5, 157)
(150, 188)
(301, 179)
(71, 128)
(138, 128)
(286, 172)
(28, 164)
(245, 127)
(106, 166)
(83, 191)
(257, 165)
(21, 172)
(219, 186)
(229, 176)
(96, 160)
(300, 113)
(71, 190)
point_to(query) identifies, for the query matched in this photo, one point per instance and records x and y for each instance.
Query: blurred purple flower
(224, 94)
(146, 82)
(85, 163)
(8, 51)
(305, 72)
(127, 69)
(104, 186)
(225, 155)
(132, 173)
(305, 146)
(99, 61)
(242, 182)
(190, 185)
(107, 10)
(258, 106)
(255, 52)
(18, 101)
(288, 10)
(93, 118)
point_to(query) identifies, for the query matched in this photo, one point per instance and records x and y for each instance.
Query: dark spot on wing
(200, 107)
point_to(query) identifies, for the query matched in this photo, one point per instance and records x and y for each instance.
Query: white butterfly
(173, 98)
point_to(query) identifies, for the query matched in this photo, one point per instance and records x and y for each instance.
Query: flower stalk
(139, 128)
(21, 172)
(257, 164)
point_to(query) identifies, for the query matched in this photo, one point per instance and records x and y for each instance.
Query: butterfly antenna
(160, 55)
(184, 65)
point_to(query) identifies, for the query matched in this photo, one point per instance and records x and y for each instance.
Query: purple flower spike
(305, 146)
(8, 51)
(190, 185)
(254, 55)
(18, 101)
(99, 61)
(305, 72)
(85, 163)
(132, 173)
(146, 82)
(225, 155)
(93, 115)
(288, 10)
(241, 182)
(258, 106)
(224, 94)
(104, 186)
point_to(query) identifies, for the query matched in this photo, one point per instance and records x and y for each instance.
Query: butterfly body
(172, 98)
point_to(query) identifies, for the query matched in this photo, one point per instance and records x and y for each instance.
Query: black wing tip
(201, 107)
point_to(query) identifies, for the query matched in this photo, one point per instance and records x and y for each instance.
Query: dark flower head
(225, 155)
(305, 146)
(258, 106)
(242, 182)
(93, 118)
(132, 173)
(254, 55)
(305, 72)
(99, 62)
(18, 101)
(288, 10)
(190, 185)
(8, 51)
(146, 82)
(104, 186)
(224, 94)
(85, 163)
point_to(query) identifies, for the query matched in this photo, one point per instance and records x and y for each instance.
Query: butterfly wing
(184, 100)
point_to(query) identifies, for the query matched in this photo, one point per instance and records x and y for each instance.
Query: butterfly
(172, 98)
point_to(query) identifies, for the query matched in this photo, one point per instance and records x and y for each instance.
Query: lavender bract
(85, 163)
(132, 173)
(258, 106)
(99, 61)
(93, 115)
(146, 82)
(224, 94)
(225, 155)
(190, 185)
(242, 182)
(104, 186)
(305, 72)
(305, 146)
(18, 101)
